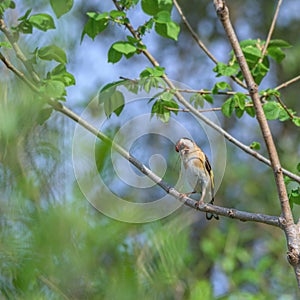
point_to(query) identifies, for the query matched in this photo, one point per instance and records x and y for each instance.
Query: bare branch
(271, 31)
(227, 212)
(284, 107)
(200, 43)
(20, 55)
(287, 83)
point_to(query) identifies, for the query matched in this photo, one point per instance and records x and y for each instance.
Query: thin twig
(200, 43)
(287, 83)
(201, 110)
(193, 33)
(189, 91)
(21, 75)
(53, 287)
(284, 107)
(20, 55)
(271, 30)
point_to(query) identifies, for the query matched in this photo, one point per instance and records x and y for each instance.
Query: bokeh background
(55, 245)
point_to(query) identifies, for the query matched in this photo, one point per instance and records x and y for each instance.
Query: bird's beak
(177, 147)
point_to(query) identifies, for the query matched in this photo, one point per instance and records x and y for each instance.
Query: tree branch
(200, 43)
(291, 230)
(264, 51)
(227, 212)
(287, 83)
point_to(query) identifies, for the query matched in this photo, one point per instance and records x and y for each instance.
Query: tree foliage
(54, 243)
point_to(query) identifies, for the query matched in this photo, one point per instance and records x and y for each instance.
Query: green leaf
(54, 89)
(239, 112)
(197, 100)
(279, 43)
(240, 100)
(6, 45)
(271, 110)
(208, 98)
(252, 54)
(113, 55)
(228, 107)
(159, 109)
(42, 22)
(276, 53)
(225, 70)
(115, 14)
(163, 17)
(60, 73)
(95, 25)
(255, 146)
(259, 72)
(221, 86)
(250, 111)
(52, 52)
(124, 47)
(6, 4)
(296, 121)
(61, 7)
(154, 72)
(114, 104)
(44, 115)
(269, 94)
(168, 30)
(153, 7)
(298, 167)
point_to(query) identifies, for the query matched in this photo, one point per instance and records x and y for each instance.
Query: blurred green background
(55, 245)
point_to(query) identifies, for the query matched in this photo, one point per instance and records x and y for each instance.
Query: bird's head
(184, 145)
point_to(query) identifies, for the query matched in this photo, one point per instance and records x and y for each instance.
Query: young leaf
(54, 89)
(61, 7)
(114, 104)
(255, 146)
(250, 111)
(6, 45)
(224, 70)
(42, 22)
(228, 107)
(271, 110)
(222, 85)
(113, 55)
(153, 7)
(197, 100)
(124, 47)
(296, 121)
(52, 52)
(208, 98)
(240, 100)
(168, 30)
(95, 25)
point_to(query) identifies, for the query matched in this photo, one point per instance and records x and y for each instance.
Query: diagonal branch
(200, 43)
(227, 212)
(287, 83)
(264, 51)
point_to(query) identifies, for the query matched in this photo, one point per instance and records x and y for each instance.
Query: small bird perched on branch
(198, 170)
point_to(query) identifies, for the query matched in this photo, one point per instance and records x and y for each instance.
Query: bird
(197, 170)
